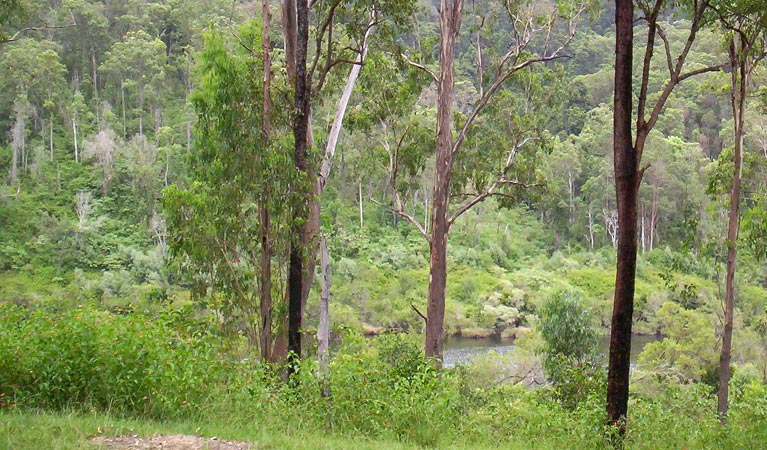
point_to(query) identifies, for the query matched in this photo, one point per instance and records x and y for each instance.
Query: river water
(460, 350)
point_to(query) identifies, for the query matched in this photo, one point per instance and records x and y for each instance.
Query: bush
(571, 342)
(86, 359)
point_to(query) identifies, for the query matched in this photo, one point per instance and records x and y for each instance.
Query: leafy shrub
(85, 358)
(571, 342)
(382, 387)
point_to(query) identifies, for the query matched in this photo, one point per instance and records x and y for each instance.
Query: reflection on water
(460, 350)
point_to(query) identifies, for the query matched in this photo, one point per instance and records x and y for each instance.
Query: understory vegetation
(164, 365)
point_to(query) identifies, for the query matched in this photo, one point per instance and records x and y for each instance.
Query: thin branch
(652, 23)
(667, 46)
(329, 67)
(494, 87)
(400, 212)
(501, 180)
(328, 23)
(240, 41)
(420, 66)
(692, 73)
(419, 312)
(644, 126)
(16, 36)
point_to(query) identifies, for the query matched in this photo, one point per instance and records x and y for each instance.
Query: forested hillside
(150, 167)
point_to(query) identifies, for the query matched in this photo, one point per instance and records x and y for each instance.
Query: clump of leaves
(570, 348)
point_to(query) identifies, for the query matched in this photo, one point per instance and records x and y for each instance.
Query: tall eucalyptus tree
(627, 150)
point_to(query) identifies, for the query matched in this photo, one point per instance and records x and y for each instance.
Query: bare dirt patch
(168, 442)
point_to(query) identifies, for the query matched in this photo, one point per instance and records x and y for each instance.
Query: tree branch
(343, 102)
(501, 180)
(419, 312)
(667, 46)
(18, 35)
(400, 212)
(420, 66)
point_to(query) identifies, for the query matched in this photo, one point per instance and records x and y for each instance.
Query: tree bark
(74, 131)
(626, 189)
(323, 330)
(300, 135)
(450, 23)
(343, 102)
(289, 26)
(739, 82)
(265, 284)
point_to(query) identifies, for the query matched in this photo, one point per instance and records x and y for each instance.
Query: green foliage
(688, 351)
(571, 340)
(126, 363)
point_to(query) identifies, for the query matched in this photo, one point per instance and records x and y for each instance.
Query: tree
(520, 56)
(302, 103)
(571, 343)
(745, 23)
(138, 62)
(223, 226)
(36, 78)
(308, 78)
(627, 151)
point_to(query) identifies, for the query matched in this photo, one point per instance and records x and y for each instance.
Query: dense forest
(201, 197)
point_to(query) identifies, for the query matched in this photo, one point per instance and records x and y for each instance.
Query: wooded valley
(273, 214)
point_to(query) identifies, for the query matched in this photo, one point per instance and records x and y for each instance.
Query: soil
(168, 442)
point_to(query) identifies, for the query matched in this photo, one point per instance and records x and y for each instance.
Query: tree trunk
(626, 190)
(450, 23)
(362, 218)
(74, 131)
(266, 282)
(643, 227)
(264, 204)
(50, 136)
(300, 135)
(122, 102)
(739, 83)
(289, 26)
(323, 330)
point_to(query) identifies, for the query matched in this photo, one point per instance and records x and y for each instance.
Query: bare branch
(18, 35)
(652, 24)
(496, 85)
(326, 25)
(343, 102)
(667, 46)
(501, 180)
(645, 125)
(240, 41)
(420, 66)
(419, 312)
(400, 212)
(692, 73)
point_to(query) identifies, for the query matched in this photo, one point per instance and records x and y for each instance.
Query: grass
(24, 430)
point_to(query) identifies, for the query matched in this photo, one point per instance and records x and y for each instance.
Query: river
(460, 350)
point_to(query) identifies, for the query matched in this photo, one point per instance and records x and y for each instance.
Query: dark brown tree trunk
(300, 135)
(450, 23)
(628, 176)
(739, 83)
(626, 189)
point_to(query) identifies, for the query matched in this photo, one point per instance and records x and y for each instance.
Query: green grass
(38, 430)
